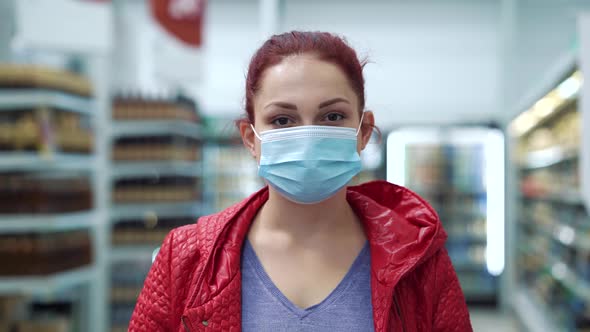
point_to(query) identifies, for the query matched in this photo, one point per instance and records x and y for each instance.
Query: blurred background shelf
(47, 284)
(32, 161)
(571, 198)
(20, 223)
(535, 316)
(552, 252)
(549, 157)
(127, 211)
(132, 253)
(156, 182)
(156, 128)
(563, 274)
(52, 162)
(156, 168)
(568, 236)
(24, 99)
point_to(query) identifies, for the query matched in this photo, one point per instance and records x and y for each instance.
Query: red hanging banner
(181, 18)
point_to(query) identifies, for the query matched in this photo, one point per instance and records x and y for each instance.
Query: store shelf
(470, 267)
(572, 198)
(549, 157)
(47, 284)
(14, 99)
(132, 253)
(134, 211)
(156, 128)
(567, 236)
(156, 168)
(480, 292)
(239, 172)
(535, 316)
(125, 295)
(32, 161)
(562, 273)
(446, 193)
(18, 223)
(229, 194)
(465, 238)
(559, 271)
(119, 329)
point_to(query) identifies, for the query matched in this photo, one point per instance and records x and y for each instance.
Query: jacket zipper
(185, 324)
(399, 312)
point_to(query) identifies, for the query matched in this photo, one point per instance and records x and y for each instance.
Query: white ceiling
(431, 61)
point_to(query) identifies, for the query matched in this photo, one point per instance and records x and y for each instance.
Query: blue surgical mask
(308, 164)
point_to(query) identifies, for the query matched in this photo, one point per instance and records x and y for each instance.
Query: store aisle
(488, 320)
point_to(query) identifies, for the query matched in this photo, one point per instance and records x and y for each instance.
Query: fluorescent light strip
(571, 86)
(494, 177)
(566, 90)
(396, 158)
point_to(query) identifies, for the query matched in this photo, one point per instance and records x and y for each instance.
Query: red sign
(181, 18)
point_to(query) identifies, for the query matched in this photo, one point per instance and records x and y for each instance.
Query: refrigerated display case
(460, 172)
(553, 234)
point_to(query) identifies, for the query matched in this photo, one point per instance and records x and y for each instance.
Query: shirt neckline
(252, 259)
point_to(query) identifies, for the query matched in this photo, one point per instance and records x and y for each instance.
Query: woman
(307, 253)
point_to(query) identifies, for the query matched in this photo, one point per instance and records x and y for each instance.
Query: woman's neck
(302, 221)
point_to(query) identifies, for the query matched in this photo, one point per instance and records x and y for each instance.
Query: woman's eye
(282, 121)
(334, 117)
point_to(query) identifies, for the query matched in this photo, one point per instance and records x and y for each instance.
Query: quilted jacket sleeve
(153, 308)
(450, 311)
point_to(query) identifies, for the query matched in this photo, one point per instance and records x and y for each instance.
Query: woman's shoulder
(201, 235)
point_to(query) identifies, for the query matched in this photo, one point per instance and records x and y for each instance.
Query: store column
(271, 14)
(584, 32)
(507, 59)
(6, 29)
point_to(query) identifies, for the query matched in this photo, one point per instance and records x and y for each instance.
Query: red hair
(328, 47)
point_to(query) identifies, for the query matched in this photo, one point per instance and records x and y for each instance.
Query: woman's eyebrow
(282, 105)
(333, 101)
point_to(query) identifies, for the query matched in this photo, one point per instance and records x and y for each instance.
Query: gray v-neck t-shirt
(265, 308)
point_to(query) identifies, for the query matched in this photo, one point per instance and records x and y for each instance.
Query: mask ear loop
(360, 125)
(256, 133)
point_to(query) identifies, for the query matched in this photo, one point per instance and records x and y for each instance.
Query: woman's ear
(367, 128)
(248, 136)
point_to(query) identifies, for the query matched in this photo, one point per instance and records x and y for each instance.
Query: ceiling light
(571, 86)
(545, 106)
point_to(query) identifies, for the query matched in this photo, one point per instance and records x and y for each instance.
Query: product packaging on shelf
(44, 253)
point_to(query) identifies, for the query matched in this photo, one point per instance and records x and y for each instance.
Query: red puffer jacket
(195, 282)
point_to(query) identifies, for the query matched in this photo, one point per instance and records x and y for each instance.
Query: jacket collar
(402, 229)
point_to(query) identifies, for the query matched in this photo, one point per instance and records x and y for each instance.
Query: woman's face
(302, 90)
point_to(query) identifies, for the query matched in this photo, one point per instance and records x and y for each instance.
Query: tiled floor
(484, 320)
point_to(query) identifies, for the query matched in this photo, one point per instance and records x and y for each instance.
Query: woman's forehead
(306, 77)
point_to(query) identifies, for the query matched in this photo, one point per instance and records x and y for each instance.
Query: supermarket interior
(117, 124)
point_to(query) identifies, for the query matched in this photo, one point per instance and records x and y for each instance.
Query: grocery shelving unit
(553, 225)
(230, 172)
(49, 160)
(143, 208)
(34, 31)
(453, 169)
